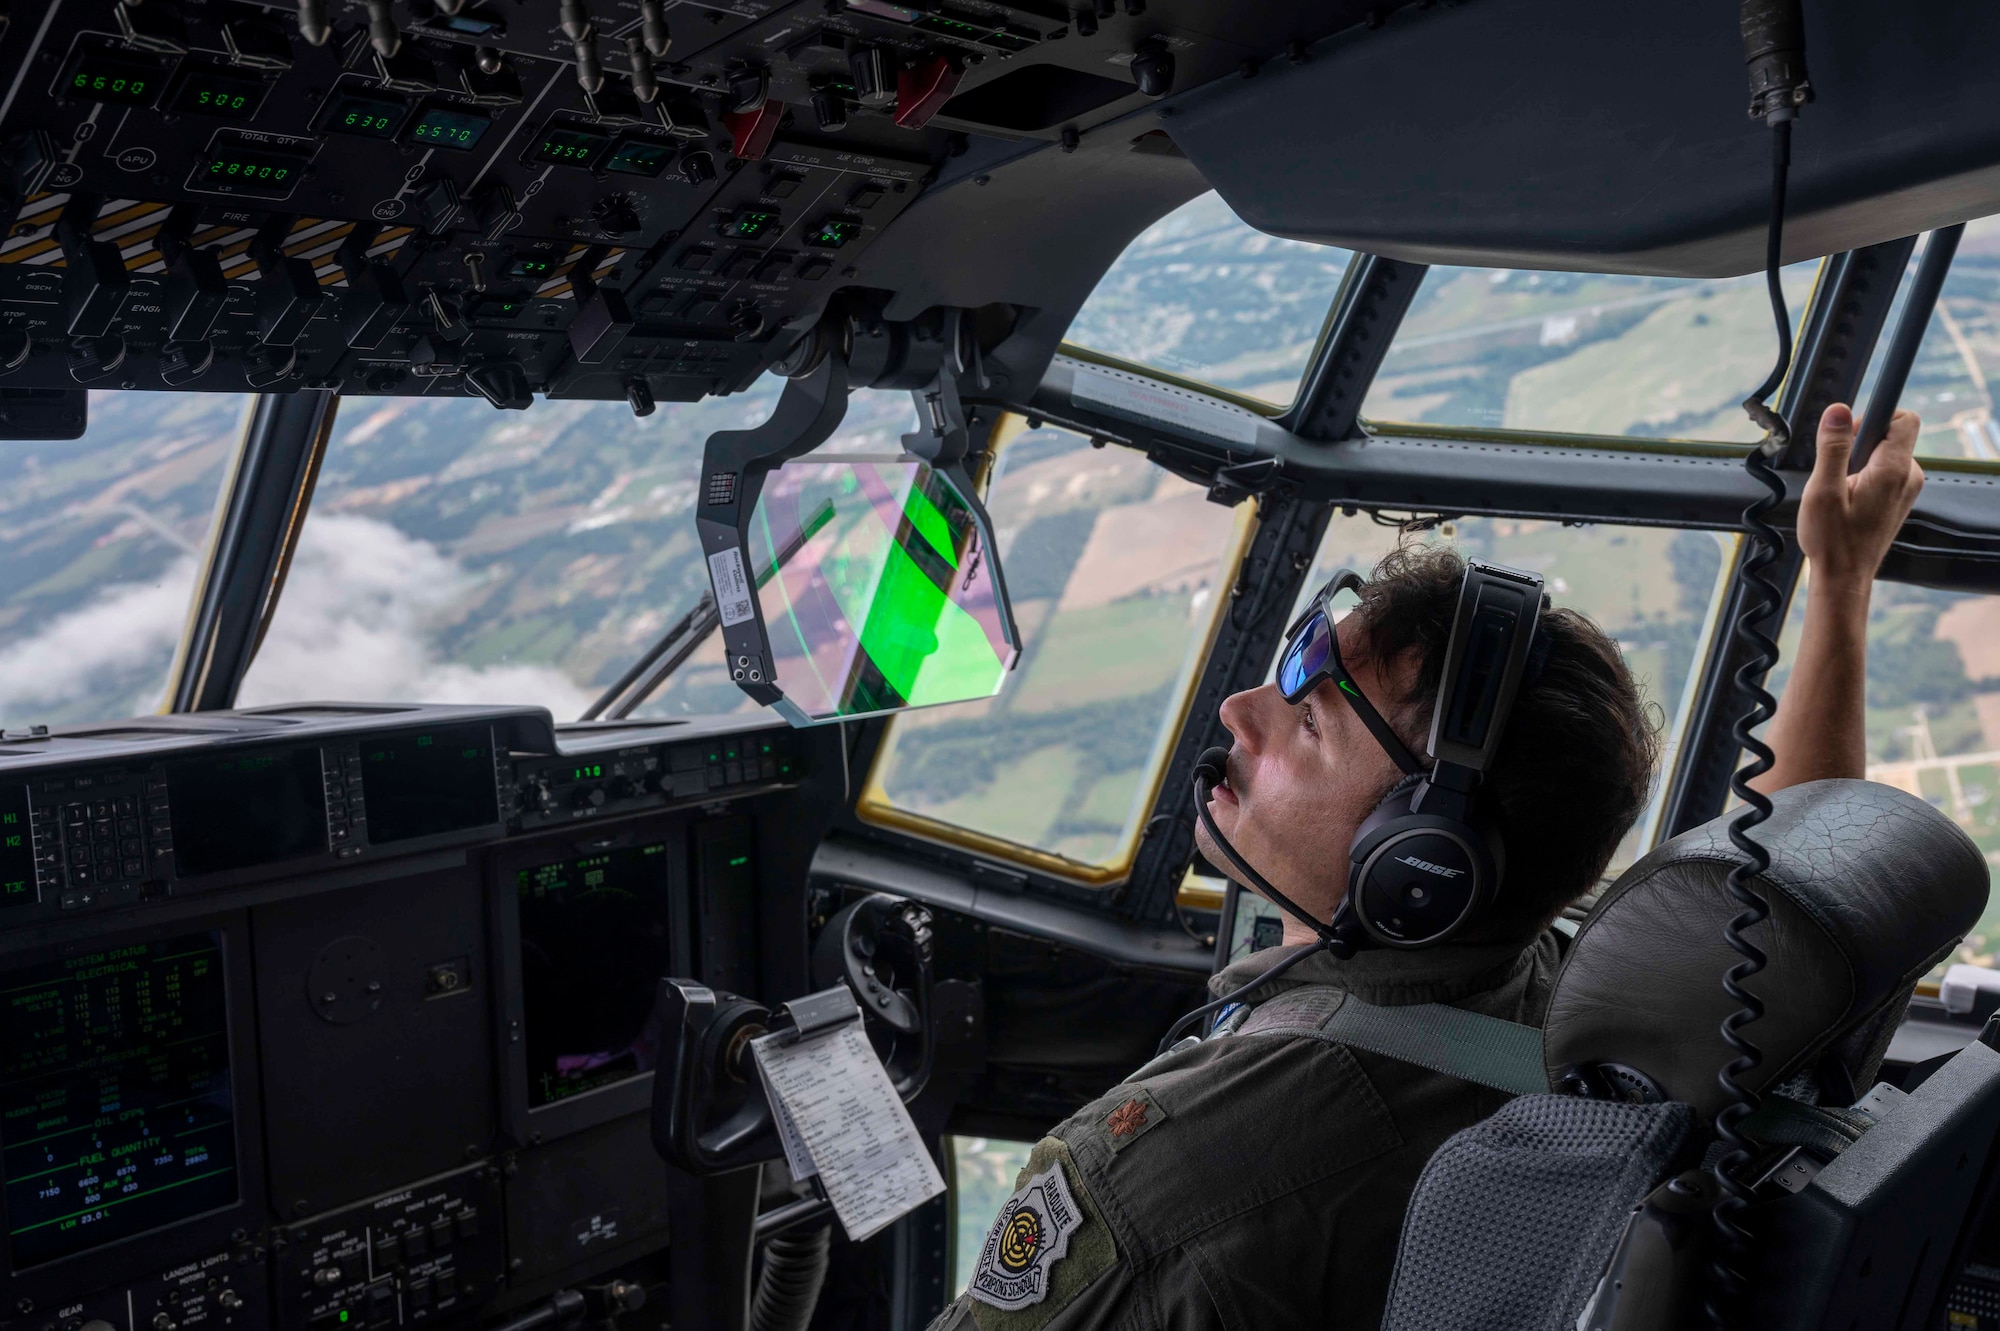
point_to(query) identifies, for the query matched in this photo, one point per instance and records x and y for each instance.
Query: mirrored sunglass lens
(1306, 655)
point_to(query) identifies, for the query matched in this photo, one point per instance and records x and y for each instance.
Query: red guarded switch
(921, 91)
(750, 132)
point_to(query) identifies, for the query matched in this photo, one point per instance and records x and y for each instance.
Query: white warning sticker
(732, 589)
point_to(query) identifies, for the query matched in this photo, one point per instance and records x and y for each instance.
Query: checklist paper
(840, 1117)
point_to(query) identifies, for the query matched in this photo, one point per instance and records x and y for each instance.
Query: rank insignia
(1130, 1117)
(1030, 1237)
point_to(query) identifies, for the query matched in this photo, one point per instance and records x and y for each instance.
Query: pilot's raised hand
(1845, 526)
(1847, 522)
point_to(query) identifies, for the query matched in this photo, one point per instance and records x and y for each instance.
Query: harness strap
(1468, 1045)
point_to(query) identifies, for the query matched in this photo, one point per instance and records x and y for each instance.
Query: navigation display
(427, 782)
(116, 1113)
(594, 944)
(246, 809)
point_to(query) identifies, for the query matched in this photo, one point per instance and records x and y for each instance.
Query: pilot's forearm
(1819, 730)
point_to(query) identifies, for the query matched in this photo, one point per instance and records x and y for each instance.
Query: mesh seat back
(1514, 1218)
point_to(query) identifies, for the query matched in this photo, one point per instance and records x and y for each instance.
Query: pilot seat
(1590, 1207)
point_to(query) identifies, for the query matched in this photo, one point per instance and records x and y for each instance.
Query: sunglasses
(1312, 656)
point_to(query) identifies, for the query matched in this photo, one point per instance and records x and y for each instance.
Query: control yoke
(710, 1114)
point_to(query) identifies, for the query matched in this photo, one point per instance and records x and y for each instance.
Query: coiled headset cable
(1774, 50)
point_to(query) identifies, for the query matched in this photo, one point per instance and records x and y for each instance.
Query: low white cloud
(357, 623)
(109, 658)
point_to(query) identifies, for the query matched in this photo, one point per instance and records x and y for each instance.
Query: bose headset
(1429, 859)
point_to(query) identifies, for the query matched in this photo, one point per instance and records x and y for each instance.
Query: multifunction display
(116, 1112)
(594, 943)
(428, 782)
(246, 809)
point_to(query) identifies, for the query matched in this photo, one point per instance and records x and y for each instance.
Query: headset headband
(1491, 636)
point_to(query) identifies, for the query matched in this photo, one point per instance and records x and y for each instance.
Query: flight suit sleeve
(1050, 1262)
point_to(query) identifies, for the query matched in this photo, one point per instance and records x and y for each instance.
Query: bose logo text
(1428, 867)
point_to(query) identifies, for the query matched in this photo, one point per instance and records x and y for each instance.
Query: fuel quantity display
(446, 127)
(117, 77)
(116, 1111)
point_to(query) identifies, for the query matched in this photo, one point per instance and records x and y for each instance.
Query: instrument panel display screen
(639, 157)
(246, 809)
(364, 114)
(116, 1108)
(448, 127)
(211, 91)
(562, 145)
(242, 168)
(119, 78)
(594, 944)
(428, 782)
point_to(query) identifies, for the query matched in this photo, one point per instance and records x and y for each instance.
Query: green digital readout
(531, 265)
(570, 147)
(448, 127)
(364, 115)
(268, 173)
(17, 848)
(833, 233)
(95, 74)
(750, 223)
(639, 157)
(587, 771)
(228, 93)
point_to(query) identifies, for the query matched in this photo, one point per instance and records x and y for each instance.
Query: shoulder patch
(1030, 1237)
(1132, 1117)
(1047, 1245)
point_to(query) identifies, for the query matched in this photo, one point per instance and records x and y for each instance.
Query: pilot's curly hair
(1576, 764)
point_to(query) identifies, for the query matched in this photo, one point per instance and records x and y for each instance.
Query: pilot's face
(1302, 778)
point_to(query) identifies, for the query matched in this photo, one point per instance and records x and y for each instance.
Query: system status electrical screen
(116, 1111)
(595, 941)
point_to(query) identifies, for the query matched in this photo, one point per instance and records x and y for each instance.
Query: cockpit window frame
(875, 807)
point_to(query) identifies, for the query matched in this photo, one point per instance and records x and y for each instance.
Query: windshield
(455, 553)
(459, 554)
(1202, 294)
(101, 538)
(1584, 353)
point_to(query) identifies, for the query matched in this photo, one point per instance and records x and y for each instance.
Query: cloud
(107, 660)
(357, 623)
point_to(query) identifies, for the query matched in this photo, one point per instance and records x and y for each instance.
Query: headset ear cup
(1395, 803)
(1380, 877)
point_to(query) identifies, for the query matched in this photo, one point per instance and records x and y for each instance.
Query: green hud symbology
(877, 589)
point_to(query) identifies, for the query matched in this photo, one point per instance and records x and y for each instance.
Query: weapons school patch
(1030, 1237)
(1135, 1114)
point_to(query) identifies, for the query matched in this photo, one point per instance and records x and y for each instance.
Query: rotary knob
(588, 797)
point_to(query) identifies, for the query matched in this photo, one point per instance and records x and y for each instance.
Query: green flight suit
(1251, 1182)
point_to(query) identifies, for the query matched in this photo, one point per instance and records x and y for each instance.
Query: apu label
(732, 589)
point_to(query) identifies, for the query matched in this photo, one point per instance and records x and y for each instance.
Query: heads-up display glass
(878, 590)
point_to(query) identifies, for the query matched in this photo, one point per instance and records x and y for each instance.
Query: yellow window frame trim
(875, 807)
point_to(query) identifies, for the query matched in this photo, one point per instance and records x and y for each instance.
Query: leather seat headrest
(1869, 888)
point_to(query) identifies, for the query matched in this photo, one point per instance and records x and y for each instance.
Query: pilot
(1260, 1182)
